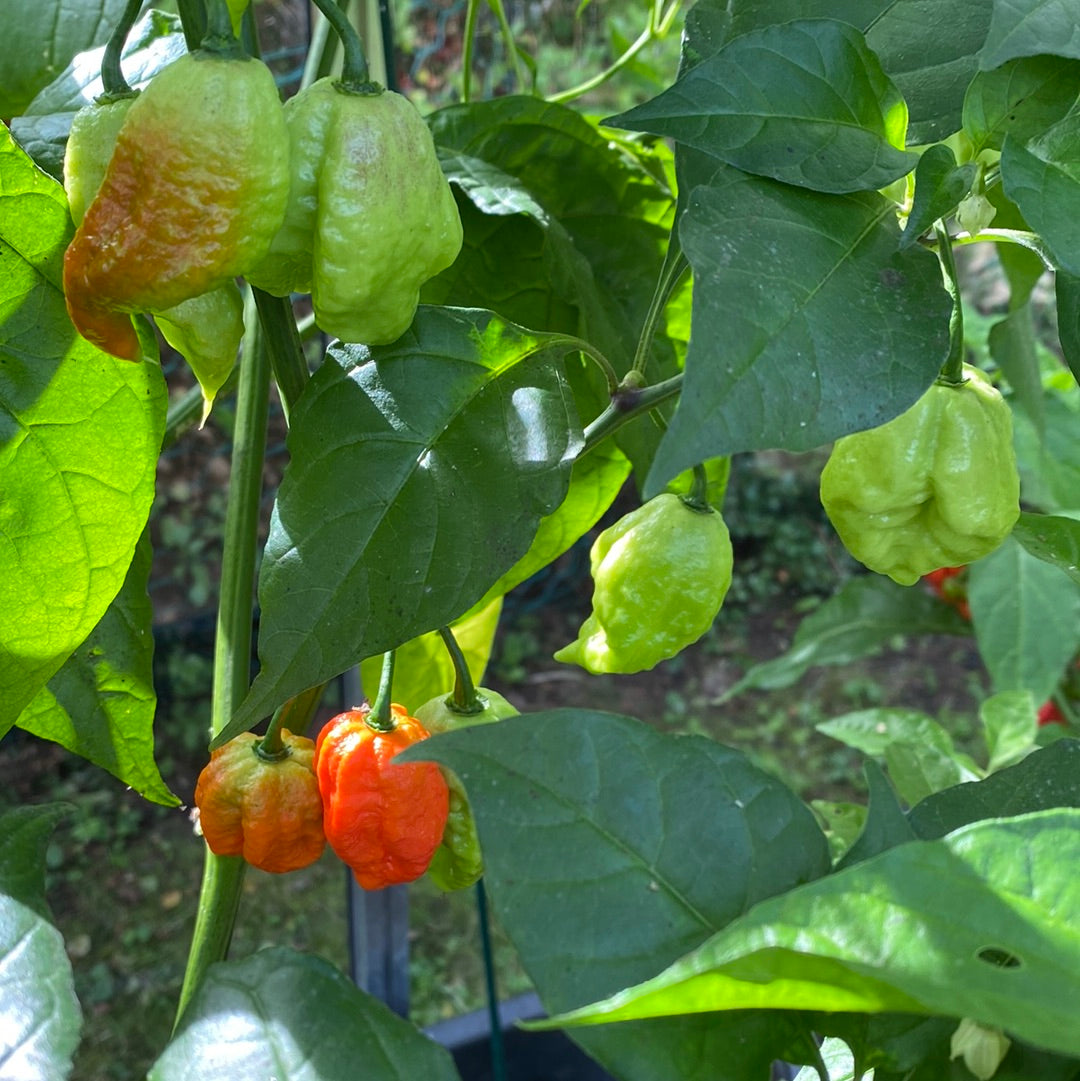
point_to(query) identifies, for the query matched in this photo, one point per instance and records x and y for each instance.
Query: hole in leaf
(998, 958)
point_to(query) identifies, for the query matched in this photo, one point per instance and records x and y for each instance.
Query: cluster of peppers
(205, 176)
(388, 822)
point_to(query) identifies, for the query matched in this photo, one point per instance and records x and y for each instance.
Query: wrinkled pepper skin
(458, 861)
(936, 487)
(383, 820)
(206, 330)
(660, 575)
(371, 216)
(268, 811)
(195, 190)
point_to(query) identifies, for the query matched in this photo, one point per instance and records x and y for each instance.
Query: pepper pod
(458, 861)
(660, 575)
(935, 487)
(371, 216)
(384, 820)
(194, 192)
(266, 809)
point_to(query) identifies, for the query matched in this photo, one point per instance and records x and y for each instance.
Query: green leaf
(1049, 462)
(806, 103)
(79, 438)
(1013, 346)
(1009, 725)
(940, 184)
(1047, 778)
(639, 846)
(1026, 615)
(918, 770)
(877, 937)
(49, 34)
(885, 826)
(440, 454)
(101, 703)
(1030, 27)
(1054, 539)
(867, 613)
(423, 667)
(929, 48)
(1043, 179)
(842, 822)
(154, 41)
(293, 1017)
(1067, 294)
(40, 1011)
(1022, 98)
(785, 366)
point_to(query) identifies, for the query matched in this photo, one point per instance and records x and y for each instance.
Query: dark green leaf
(929, 48)
(806, 103)
(47, 35)
(1054, 539)
(859, 621)
(293, 1017)
(747, 15)
(939, 185)
(41, 1017)
(155, 40)
(1046, 779)
(786, 366)
(101, 703)
(440, 454)
(1030, 27)
(639, 846)
(804, 949)
(1013, 347)
(1043, 179)
(1067, 294)
(79, 438)
(1021, 98)
(1027, 619)
(893, 1041)
(885, 825)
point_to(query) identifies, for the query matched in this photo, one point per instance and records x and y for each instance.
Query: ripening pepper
(458, 861)
(206, 330)
(194, 192)
(936, 487)
(384, 820)
(266, 809)
(660, 575)
(371, 216)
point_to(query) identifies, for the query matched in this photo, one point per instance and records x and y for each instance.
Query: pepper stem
(698, 496)
(355, 76)
(295, 715)
(112, 77)
(952, 371)
(380, 717)
(464, 699)
(219, 37)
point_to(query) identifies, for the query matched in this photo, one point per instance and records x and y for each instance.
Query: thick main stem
(219, 897)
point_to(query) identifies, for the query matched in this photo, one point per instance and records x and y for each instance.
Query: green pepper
(660, 576)
(458, 861)
(370, 217)
(936, 487)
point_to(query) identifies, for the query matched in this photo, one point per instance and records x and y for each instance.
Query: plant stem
(355, 77)
(219, 37)
(594, 354)
(1012, 236)
(659, 24)
(698, 498)
(469, 40)
(294, 715)
(509, 44)
(112, 77)
(287, 359)
(219, 897)
(380, 717)
(952, 371)
(193, 19)
(627, 403)
(464, 699)
(675, 266)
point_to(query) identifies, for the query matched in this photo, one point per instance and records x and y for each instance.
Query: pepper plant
(534, 307)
